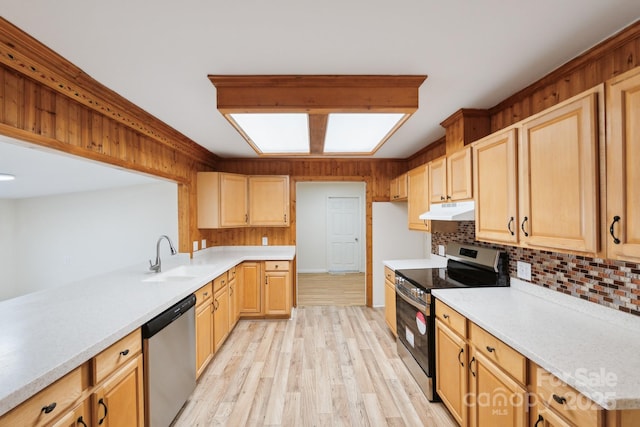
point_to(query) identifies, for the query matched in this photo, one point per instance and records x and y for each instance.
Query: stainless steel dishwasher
(169, 362)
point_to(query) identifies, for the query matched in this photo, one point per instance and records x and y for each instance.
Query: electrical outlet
(203, 244)
(265, 241)
(441, 250)
(524, 270)
(195, 245)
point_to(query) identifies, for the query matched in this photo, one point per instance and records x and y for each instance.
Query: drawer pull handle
(491, 349)
(561, 400)
(473, 359)
(509, 226)
(460, 354)
(446, 316)
(81, 421)
(49, 408)
(540, 420)
(124, 352)
(101, 403)
(206, 294)
(522, 226)
(615, 239)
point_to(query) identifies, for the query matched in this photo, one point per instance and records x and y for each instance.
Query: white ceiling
(158, 53)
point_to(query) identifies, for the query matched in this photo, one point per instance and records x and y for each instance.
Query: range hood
(460, 211)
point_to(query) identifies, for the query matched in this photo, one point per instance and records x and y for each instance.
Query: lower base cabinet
(119, 401)
(220, 315)
(390, 300)
(80, 416)
(265, 289)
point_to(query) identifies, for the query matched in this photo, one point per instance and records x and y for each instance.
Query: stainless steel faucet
(157, 266)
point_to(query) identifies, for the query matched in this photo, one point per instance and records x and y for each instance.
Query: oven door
(416, 331)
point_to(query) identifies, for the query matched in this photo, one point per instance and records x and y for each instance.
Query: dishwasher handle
(165, 318)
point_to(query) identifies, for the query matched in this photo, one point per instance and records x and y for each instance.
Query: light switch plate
(265, 241)
(195, 245)
(524, 270)
(441, 250)
(203, 244)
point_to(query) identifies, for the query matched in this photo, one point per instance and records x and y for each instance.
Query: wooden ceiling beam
(317, 132)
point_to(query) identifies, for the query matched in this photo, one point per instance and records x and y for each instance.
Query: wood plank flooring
(331, 289)
(327, 366)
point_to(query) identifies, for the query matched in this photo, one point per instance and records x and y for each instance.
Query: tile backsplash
(607, 282)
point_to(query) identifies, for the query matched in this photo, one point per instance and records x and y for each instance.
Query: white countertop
(593, 348)
(434, 261)
(44, 335)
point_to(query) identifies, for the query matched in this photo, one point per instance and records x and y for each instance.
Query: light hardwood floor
(331, 289)
(327, 366)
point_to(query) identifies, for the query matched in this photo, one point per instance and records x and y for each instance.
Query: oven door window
(415, 330)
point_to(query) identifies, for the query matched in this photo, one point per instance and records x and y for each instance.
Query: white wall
(393, 240)
(8, 278)
(64, 238)
(311, 222)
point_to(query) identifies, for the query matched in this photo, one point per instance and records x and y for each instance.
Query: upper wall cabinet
(558, 170)
(623, 167)
(495, 182)
(536, 182)
(269, 201)
(399, 188)
(418, 200)
(227, 200)
(450, 177)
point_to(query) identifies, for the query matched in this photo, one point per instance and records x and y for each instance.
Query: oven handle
(422, 308)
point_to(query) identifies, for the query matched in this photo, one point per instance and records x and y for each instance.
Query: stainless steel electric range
(468, 266)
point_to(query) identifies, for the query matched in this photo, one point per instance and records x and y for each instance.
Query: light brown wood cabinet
(277, 288)
(79, 416)
(398, 190)
(227, 200)
(220, 309)
(269, 201)
(553, 203)
(450, 177)
(418, 199)
(495, 183)
(390, 300)
(234, 301)
(250, 287)
(451, 368)
(204, 327)
(623, 171)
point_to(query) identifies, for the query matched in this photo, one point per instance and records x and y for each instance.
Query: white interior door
(343, 233)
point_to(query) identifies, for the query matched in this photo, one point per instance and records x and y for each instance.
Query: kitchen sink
(180, 274)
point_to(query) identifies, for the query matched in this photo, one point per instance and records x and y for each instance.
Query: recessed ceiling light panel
(359, 133)
(7, 177)
(275, 133)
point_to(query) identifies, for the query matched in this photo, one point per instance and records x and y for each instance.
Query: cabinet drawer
(504, 356)
(389, 275)
(203, 294)
(117, 355)
(567, 401)
(219, 282)
(454, 320)
(232, 274)
(276, 265)
(58, 398)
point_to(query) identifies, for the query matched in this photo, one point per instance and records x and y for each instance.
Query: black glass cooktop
(456, 275)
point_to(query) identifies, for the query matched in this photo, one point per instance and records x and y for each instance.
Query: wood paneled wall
(613, 56)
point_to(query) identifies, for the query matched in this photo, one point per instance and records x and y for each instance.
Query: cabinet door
(234, 312)
(548, 418)
(495, 399)
(459, 176)
(204, 336)
(495, 187)
(220, 317)
(233, 200)
(249, 286)
(276, 293)
(623, 171)
(558, 155)
(119, 400)
(269, 201)
(80, 416)
(438, 180)
(390, 306)
(418, 200)
(451, 369)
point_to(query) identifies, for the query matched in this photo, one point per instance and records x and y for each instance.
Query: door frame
(368, 184)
